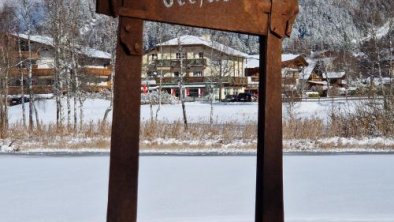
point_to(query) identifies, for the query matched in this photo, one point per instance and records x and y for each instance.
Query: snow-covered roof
(46, 40)
(94, 53)
(307, 72)
(334, 75)
(253, 61)
(288, 57)
(324, 83)
(378, 81)
(195, 40)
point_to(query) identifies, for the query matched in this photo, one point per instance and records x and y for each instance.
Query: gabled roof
(46, 40)
(288, 57)
(195, 40)
(307, 72)
(95, 53)
(254, 60)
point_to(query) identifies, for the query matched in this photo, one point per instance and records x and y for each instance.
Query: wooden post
(123, 180)
(270, 19)
(269, 178)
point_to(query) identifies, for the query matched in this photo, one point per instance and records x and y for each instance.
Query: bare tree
(26, 9)
(391, 56)
(221, 68)
(111, 25)
(6, 63)
(4, 70)
(211, 82)
(22, 82)
(221, 63)
(10, 61)
(160, 30)
(56, 24)
(180, 81)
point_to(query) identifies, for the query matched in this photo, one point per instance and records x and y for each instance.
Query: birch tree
(181, 83)
(56, 24)
(6, 62)
(159, 30)
(111, 34)
(26, 10)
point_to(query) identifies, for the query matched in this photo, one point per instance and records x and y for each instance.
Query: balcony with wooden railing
(176, 63)
(38, 89)
(96, 88)
(236, 81)
(96, 71)
(46, 72)
(45, 89)
(39, 72)
(255, 78)
(25, 55)
(228, 80)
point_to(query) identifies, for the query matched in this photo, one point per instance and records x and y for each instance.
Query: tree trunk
(37, 119)
(22, 84)
(68, 97)
(159, 94)
(81, 101)
(4, 105)
(181, 93)
(30, 83)
(76, 92)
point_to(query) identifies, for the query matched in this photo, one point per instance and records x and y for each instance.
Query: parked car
(245, 97)
(17, 100)
(230, 98)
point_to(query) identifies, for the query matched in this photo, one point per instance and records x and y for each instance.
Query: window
(200, 55)
(193, 92)
(178, 55)
(24, 46)
(197, 74)
(176, 74)
(154, 56)
(50, 81)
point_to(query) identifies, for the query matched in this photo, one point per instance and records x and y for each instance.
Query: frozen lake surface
(319, 188)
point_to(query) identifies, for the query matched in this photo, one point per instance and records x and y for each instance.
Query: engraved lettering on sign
(171, 3)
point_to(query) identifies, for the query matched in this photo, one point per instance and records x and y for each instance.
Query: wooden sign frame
(271, 20)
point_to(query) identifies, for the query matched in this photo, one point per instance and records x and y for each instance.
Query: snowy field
(322, 188)
(94, 110)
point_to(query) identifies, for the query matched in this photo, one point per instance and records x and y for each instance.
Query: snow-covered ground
(318, 188)
(198, 112)
(94, 110)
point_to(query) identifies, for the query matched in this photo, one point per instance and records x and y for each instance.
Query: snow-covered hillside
(328, 23)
